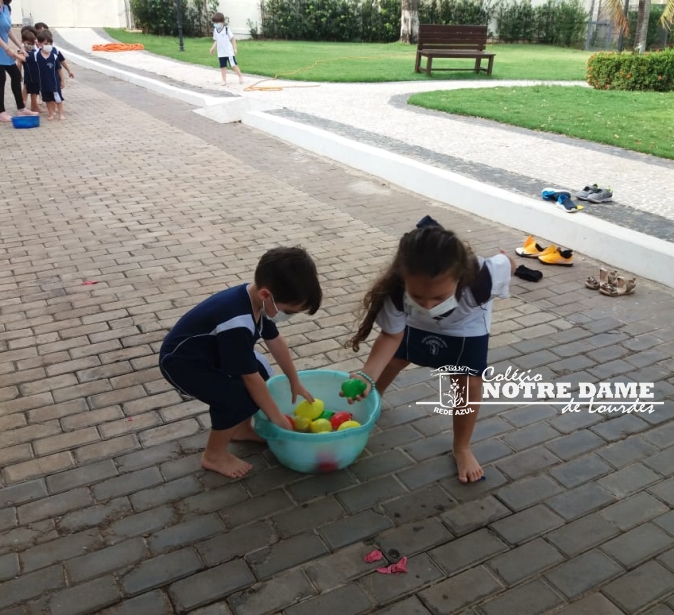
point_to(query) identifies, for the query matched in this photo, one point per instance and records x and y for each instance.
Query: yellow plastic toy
(301, 423)
(348, 425)
(320, 426)
(310, 411)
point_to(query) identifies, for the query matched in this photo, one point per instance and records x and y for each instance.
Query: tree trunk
(409, 21)
(641, 33)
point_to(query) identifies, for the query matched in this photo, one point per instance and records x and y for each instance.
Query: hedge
(653, 70)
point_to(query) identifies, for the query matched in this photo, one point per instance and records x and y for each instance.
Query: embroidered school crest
(434, 344)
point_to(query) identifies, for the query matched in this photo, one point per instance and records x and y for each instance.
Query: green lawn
(344, 62)
(639, 121)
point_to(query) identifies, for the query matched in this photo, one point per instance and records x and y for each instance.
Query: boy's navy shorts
(32, 88)
(56, 97)
(229, 402)
(428, 349)
(227, 61)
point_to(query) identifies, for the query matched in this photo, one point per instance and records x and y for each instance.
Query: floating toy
(301, 423)
(340, 417)
(348, 425)
(353, 388)
(320, 426)
(308, 410)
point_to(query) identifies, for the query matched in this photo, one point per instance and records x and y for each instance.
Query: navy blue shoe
(565, 203)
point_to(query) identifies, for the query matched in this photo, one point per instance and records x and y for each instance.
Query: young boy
(40, 26)
(31, 77)
(210, 352)
(226, 44)
(50, 74)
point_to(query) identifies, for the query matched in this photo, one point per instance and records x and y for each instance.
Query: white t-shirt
(469, 319)
(224, 41)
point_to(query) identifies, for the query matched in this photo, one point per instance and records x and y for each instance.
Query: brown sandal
(620, 287)
(605, 277)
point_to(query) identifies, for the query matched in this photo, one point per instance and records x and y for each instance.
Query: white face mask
(47, 48)
(219, 26)
(442, 308)
(280, 316)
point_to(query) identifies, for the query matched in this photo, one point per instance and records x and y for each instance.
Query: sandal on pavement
(556, 256)
(530, 249)
(604, 277)
(621, 287)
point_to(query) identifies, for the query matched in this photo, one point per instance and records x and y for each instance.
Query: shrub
(159, 16)
(630, 71)
(456, 12)
(557, 22)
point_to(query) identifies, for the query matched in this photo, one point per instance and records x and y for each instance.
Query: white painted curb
(629, 250)
(192, 98)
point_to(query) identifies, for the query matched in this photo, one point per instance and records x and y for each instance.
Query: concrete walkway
(490, 152)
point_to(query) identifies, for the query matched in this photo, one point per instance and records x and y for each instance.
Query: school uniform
(459, 337)
(31, 75)
(50, 82)
(211, 347)
(225, 47)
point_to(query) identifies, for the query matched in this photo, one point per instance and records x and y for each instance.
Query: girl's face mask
(447, 305)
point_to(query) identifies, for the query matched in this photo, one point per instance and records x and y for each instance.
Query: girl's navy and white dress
(459, 338)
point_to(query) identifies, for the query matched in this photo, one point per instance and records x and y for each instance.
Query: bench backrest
(468, 38)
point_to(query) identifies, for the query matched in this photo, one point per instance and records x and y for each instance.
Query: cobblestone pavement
(103, 506)
(511, 158)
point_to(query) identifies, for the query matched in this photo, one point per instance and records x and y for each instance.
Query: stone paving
(103, 506)
(515, 159)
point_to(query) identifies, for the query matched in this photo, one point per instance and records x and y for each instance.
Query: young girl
(434, 306)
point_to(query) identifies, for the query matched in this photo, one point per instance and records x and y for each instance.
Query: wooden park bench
(453, 42)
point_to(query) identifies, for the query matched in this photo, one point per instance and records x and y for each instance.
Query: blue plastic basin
(315, 453)
(26, 121)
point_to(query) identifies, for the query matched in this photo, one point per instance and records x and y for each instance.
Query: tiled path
(518, 160)
(103, 507)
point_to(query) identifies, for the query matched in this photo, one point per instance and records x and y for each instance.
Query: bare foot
(227, 465)
(246, 432)
(470, 470)
(223, 84)
(240, 79)
(62, 117)
(5, 117)
(50, 117)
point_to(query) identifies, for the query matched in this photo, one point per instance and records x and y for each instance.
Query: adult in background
(8, 65)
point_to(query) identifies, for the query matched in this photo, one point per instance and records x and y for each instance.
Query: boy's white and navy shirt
(224, 41)
(48, 71)
(471, 318)
(222, 331)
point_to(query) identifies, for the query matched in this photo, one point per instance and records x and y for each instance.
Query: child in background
(40, 26)
(31, 76)
(434, 306)
(51, 75)
(226, 45)
(210, 352)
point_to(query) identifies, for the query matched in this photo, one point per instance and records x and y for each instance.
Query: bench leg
(417, 64)
(429, 62)
(477, 64)
(490, 65)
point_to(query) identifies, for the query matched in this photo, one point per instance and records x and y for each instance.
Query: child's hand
(71, 74)
(211, 52)
(296, 388)
(283, 422)
(363, 395)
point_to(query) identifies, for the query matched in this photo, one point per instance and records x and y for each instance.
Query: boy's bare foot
(26, 111)
(62, 117)
(227, 465)
(50, 117)
(470, 470)
(246, 432)
(240, 79)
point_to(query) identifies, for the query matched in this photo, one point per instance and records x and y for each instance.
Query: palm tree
(620, 19)
(409, 21)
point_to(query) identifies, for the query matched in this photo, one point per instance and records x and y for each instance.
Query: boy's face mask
(219, 26)
(47, 48)
(28, 46)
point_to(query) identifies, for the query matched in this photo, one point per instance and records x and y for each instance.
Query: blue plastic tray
(26, 121)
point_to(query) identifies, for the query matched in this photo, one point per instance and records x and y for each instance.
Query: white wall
(72, 13)
(113, 13)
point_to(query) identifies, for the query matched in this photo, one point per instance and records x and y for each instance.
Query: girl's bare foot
(246, 432)
(470, 470)
(62, 117)
(226, 464)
